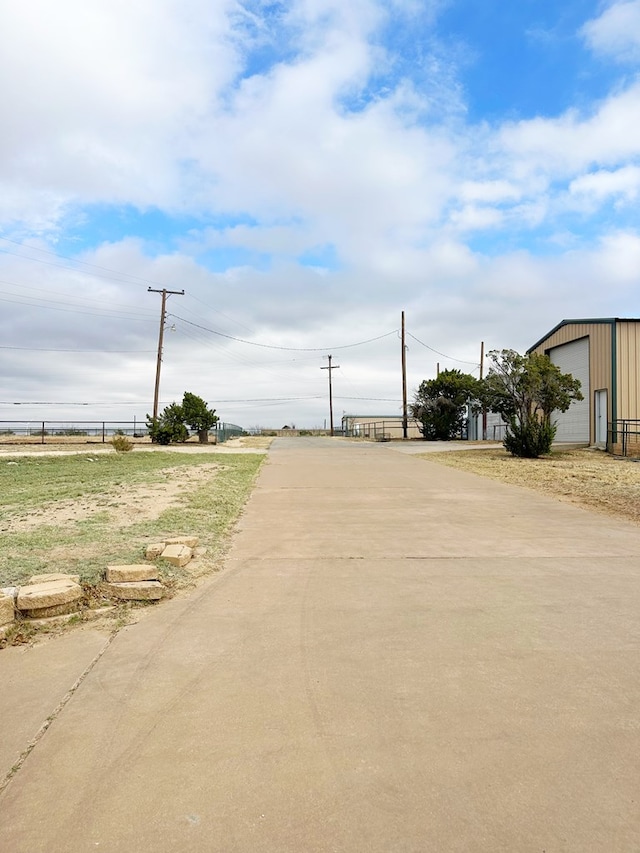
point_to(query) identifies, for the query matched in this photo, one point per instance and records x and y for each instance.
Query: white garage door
(573, 425)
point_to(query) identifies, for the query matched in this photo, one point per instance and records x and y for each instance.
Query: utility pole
(330, 367)
(163, 315)
(484, 411)
(404, 383)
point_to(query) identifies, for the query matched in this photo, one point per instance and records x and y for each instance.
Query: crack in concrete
(12, 773)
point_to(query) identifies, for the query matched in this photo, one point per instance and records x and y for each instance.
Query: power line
(123, 277)
(449, 357)
(273, 346)
(269, 400)
(88, 268)
(72, 310)
(44, 403)
(163, 402)
(101, 351)
(69, 298)
(372, 399)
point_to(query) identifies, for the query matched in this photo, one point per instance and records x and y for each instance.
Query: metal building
(604, 354)
(378, 426)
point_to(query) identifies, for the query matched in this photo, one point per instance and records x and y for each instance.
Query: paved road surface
(398, 658)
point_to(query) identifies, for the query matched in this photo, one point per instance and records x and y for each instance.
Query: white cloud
(489, 191)
(616, 32)
(99, 99)
(615, 264)
(596, 187)
(569, 144)
(288, 240)
(163, 105)
(476, 218)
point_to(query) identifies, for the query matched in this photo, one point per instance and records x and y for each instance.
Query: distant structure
(377, 426)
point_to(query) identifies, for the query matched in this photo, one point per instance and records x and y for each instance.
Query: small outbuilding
(378, 426)
(604, 354)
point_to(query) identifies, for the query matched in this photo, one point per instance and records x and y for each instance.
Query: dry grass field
(77, 512)
(588, 478)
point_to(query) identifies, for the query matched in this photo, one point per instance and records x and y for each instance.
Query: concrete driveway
(398, 656)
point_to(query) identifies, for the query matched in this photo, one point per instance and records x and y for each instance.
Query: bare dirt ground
(586, 477)
(126, 505)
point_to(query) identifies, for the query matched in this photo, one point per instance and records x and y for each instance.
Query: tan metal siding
(628, 358)
(599, 335)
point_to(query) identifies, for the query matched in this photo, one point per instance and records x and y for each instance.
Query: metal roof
(592, 320)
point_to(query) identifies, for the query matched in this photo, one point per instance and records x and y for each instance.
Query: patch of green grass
(28, 482)
(86, 546)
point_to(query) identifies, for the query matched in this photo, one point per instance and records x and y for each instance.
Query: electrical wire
(286, 349)
(449, 357)
(72, 297)
(100, 351)
(123, 277)
(370, 399)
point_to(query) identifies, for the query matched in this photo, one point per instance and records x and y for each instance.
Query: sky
(305, 171)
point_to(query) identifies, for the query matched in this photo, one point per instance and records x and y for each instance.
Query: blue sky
(305, 171)
(524, 59)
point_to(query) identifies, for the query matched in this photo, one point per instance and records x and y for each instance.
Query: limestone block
(6, 609)
(53, 576)
(177, 555)
(153, 551)
(132, 573)
(55, 610)
(135, 591)
(190, 541)
(49, 594)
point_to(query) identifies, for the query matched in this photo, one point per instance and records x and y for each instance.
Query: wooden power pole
(163, 316)
(484, 411)
(330, 367)
(404, 383)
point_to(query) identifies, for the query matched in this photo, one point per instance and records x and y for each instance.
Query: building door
(601, 417)
(573, 358)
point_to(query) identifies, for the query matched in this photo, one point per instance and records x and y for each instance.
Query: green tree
(525, 390)
(198, 416)
(440, 405)
(169, 426)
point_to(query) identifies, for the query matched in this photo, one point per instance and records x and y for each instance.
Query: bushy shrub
(530, 439)
(198, 416)
(166, 433)
(169, 427)
(121, 444)
(526, 390)
(440, 405)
